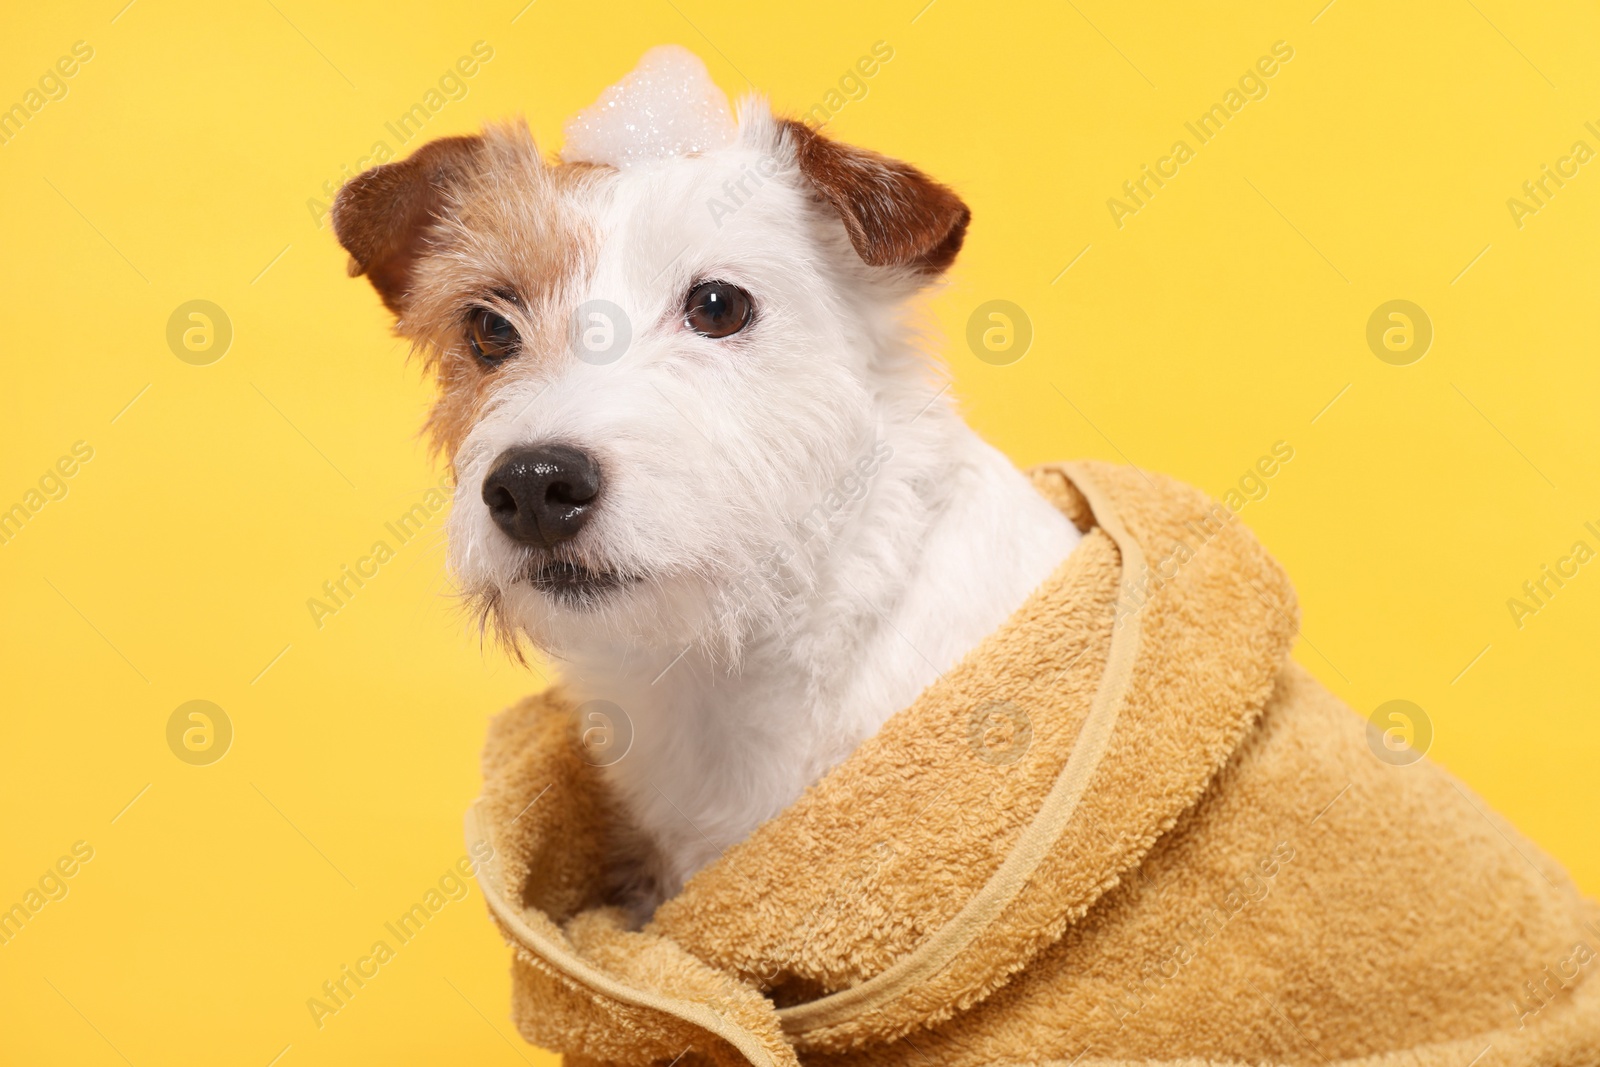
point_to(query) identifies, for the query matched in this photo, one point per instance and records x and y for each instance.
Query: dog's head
(656, 355)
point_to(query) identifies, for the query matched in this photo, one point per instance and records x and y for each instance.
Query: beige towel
(1125, 829)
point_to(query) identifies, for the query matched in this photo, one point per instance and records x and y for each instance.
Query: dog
(705, 457)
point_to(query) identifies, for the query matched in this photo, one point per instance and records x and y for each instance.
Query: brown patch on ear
(382, 216)
(896, 215)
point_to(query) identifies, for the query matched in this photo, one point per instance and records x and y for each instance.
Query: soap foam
(667, 106)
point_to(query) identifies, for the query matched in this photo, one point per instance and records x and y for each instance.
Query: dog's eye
(717, 309)
(493, 339)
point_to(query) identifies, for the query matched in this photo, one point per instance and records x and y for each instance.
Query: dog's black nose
(542, 495)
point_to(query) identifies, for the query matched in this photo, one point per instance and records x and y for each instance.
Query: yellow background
(1220, 319)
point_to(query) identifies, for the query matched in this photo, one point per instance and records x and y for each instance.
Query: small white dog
(702, 460)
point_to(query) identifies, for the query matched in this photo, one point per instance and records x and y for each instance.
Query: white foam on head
(667, 106)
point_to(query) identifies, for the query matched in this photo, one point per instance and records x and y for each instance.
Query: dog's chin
(574, 586)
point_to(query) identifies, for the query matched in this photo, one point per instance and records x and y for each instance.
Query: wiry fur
(782, 602)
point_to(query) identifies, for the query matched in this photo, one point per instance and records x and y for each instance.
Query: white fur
(754, 654)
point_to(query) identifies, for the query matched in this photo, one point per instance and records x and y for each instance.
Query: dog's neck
(947, 541)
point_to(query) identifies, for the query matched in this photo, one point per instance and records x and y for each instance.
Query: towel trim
(945, 945)
(571, 965)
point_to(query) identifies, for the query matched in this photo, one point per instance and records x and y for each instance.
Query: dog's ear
(896, 215)
(382, 216)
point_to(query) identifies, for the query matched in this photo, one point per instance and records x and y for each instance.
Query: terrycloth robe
(1125, 829)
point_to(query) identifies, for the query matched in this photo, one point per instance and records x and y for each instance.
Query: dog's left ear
(896, 215)
(383, 216)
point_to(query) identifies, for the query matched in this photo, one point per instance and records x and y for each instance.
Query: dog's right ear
(896, 215)
(383, 216)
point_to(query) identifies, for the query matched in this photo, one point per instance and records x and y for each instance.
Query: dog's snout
(542, 495)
